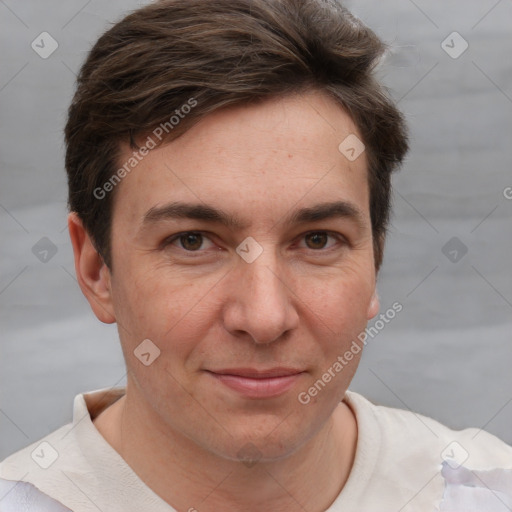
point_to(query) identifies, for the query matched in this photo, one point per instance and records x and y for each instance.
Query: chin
(264, 442)
(251, 452)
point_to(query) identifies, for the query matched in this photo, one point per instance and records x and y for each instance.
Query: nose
(261, 302)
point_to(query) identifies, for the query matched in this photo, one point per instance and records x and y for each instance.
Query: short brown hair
(221, 53)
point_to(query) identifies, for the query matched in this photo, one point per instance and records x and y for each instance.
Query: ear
(374, 305)
(92, 274)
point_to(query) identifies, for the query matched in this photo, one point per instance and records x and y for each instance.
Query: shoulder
(41, 454)
(417, 435)
(408, 459)
(30, 477)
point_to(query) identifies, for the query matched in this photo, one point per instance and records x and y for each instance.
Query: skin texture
(301, 303)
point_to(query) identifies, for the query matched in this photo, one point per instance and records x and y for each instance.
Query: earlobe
(92, 274)
(374, 305)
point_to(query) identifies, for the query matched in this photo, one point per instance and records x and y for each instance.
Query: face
(243, 251)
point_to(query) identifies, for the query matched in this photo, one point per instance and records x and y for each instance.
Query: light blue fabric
(476, 491)
(24, 497)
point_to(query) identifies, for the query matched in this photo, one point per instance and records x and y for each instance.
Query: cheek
(165, 306)
(338, 300)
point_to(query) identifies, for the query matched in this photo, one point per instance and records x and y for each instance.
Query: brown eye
(191, 241)
(316, 240)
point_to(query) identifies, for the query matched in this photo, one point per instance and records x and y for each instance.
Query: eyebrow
(197, 211)
(324, 211)
(204, 212)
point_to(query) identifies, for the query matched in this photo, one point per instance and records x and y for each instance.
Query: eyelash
(340, 238)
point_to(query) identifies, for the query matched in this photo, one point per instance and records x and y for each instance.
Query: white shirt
(398, 466)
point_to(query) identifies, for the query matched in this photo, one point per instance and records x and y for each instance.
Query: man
(229, 172)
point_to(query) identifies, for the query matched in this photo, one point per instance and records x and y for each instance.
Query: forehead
(257, 161)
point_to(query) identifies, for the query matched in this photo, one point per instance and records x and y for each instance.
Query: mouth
(255, 383)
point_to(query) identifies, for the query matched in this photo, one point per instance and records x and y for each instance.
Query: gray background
(447, 354)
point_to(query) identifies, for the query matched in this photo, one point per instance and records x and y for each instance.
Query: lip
(253, 383)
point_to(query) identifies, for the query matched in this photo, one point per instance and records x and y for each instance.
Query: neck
(191, 478)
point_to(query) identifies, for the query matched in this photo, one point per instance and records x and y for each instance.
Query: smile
(258, 384)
